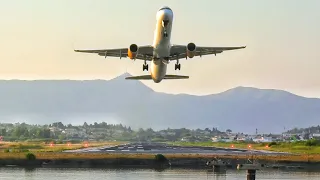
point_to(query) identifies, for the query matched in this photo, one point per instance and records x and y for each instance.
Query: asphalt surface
(155, 148)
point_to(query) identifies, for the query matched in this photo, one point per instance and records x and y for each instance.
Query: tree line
(107, 131)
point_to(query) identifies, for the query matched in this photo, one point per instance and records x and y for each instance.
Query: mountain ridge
(242, 109)
(120, 77)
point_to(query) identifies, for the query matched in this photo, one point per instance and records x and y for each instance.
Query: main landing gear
(177, 66)
(145, 66)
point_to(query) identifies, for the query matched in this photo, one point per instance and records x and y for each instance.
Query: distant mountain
(242, 109)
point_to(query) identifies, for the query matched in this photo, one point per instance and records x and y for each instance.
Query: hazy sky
(37, 38)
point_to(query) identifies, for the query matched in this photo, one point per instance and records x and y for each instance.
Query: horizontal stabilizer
(143, 77)
(175, 77)
(148, 77)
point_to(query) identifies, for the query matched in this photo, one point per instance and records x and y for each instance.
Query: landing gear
(164, 25)
(177, 66)
(145, 66)
(165, 34)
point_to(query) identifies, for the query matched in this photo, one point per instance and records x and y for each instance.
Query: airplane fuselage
(161, 44)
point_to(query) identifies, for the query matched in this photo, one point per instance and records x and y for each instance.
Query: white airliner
(162, 51)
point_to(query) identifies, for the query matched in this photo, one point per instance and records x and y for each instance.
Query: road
(161, 148)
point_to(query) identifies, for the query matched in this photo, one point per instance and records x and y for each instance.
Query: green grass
(43, 150)
(34, 147)
(291, 147)
(83, 156)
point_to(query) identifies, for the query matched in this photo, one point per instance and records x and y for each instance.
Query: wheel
(145, 67)
(177, 66)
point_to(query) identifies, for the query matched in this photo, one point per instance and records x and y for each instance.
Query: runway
(161, 148)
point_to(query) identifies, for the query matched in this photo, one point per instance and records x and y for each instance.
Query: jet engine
(191, 49)
(133, 51)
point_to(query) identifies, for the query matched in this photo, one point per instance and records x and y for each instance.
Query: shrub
(312, 142)
(160, 158)
(272, 144)
(30, 156)
(6, 150)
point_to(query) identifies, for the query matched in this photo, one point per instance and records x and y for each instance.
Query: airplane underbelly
(162, 50)
(158, 70)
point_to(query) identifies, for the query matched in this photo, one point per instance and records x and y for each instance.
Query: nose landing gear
(165, 34)
(165, 24)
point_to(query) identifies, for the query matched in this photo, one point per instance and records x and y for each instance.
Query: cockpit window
(165, 7)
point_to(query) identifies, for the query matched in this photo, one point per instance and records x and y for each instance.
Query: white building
(263, 139)
(315, 136)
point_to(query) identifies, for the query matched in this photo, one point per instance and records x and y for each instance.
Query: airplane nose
(165, 15)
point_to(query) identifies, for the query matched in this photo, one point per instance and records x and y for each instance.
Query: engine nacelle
(191, 50)
(133, 51)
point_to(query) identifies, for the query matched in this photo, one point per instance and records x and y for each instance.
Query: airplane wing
(144, 52)
(179, 51)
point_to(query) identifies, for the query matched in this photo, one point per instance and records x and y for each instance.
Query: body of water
(145, 174)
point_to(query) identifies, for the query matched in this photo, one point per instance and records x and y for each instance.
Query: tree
(19, 131)
(214, 129)
(3, 132)
(229, 131)
(61, 137)
(30, 156)
(150, 130)
(58, 125)
(104, 124)
(141, 130)
(46, 133)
